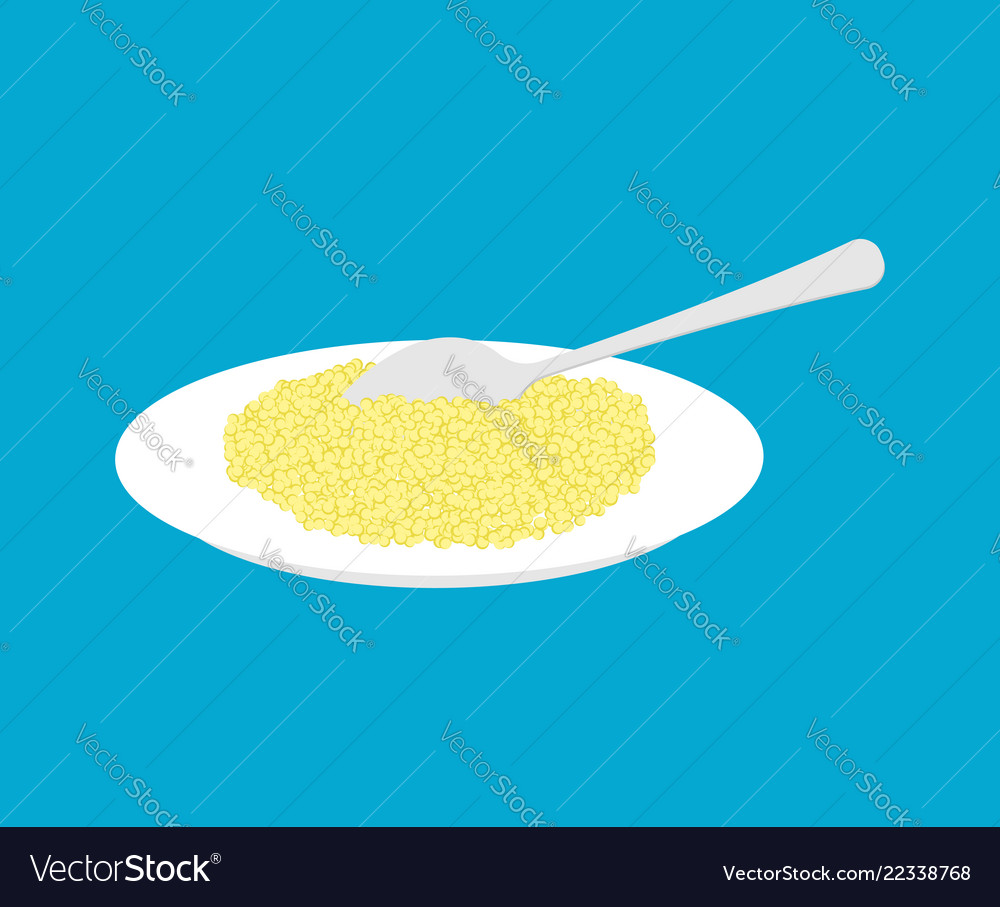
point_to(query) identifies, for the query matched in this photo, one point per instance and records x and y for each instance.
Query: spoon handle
(854, 266)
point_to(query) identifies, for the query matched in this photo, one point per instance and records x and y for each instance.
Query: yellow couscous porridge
(446, 471)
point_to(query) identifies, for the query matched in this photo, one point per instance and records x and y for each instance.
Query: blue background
(871, 586)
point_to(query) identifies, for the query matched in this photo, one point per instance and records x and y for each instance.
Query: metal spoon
(452, 366)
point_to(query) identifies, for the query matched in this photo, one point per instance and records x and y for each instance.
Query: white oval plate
(708, 457)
